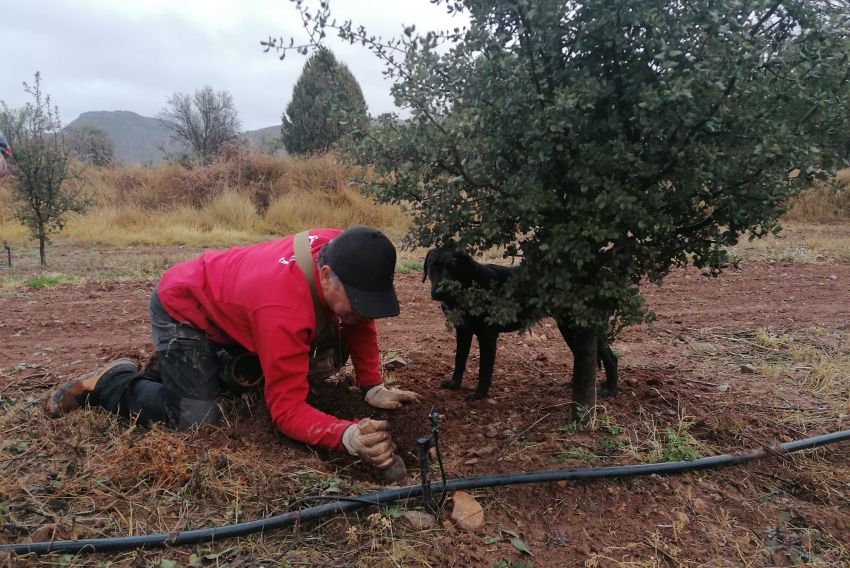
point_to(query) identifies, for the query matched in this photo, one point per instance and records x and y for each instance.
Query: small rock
(419, 520)
(395, 364)
(471, 461)
(491, 432)
(833, 277)
(724, 387)
(492, 401)
(467, 513)
(748, 369)
(700, 506)
(706, 348)
(46, 533)
(486, 450)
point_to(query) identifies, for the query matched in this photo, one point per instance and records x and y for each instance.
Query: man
(286, 301)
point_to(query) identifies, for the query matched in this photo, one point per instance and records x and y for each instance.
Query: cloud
(105, 55)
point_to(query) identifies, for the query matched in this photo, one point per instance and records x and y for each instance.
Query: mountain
(136, 138)
(141, 139)
(264, 138)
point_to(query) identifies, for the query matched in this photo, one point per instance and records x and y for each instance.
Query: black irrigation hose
(353, 503)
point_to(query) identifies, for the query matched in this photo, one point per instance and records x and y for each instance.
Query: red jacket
(257, 296)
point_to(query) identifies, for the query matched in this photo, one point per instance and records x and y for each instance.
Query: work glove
(389, 399)
(370, 440)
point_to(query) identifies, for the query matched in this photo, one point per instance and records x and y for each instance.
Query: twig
(517, 437)
(786, 408)
(532, 365)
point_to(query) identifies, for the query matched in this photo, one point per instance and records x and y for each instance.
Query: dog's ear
(425, 265)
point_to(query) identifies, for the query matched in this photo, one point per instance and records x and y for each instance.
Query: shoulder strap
(304, 259)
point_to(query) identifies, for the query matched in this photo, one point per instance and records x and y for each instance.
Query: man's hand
(370, 440)
(389, 399)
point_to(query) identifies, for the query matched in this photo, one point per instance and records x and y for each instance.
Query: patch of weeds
(394, 512)
(152, 267)
(516, 542)
(570, 428)
(313, 483)
(16, 446)
(679, 445)
(47, 280)
(605, 424)
(406, 267)
(511, 564)
(574, 453)
(609, 444)
(672, 443)
(771, 340)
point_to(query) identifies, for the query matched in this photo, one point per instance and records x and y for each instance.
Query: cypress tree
(327, 104)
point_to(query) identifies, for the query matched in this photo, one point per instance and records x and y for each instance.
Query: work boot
(74, 393)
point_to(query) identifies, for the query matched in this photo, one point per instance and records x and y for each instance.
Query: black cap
(364, 261)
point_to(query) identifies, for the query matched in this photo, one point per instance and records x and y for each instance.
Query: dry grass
(802, 243)
(827, 202)
(809, 363)
(253, 197)
(92, 475)
(244, 199)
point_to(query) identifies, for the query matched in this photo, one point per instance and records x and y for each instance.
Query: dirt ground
(758, 356)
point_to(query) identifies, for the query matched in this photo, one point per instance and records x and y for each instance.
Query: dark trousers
(185, 394)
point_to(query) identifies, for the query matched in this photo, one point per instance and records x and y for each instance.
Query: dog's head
(446, 264)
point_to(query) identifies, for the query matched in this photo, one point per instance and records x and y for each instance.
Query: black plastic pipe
(241, 529)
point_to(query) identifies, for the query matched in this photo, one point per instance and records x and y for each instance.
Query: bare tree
(203, 121)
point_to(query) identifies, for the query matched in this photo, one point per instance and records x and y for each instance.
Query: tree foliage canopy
(610, 141)
(327, 104)
(43, 187)
(203, 121)
(606, 142)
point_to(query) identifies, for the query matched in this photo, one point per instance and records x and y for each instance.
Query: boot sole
(62, 399)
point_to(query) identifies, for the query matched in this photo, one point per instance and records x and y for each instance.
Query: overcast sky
(132, 55)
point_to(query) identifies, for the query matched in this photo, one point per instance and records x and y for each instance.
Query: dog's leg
(464, 342)
(487, 340)
(609, 360)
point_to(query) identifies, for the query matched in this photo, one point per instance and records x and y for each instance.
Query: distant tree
(42, 188)
(203, 121)
(327, 104)
(91, 144)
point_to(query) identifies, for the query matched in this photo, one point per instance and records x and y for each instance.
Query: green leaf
(519, 545)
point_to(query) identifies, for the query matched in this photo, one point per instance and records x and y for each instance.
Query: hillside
(141, 139)
(136, 138)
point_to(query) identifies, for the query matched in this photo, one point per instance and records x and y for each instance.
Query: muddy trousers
(186, 392)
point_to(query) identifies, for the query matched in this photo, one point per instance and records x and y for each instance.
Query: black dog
(446, 264)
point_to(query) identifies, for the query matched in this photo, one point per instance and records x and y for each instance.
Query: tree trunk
(42, 238)
(582, 343)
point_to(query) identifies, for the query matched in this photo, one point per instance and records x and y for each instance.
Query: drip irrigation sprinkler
(344, 504)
